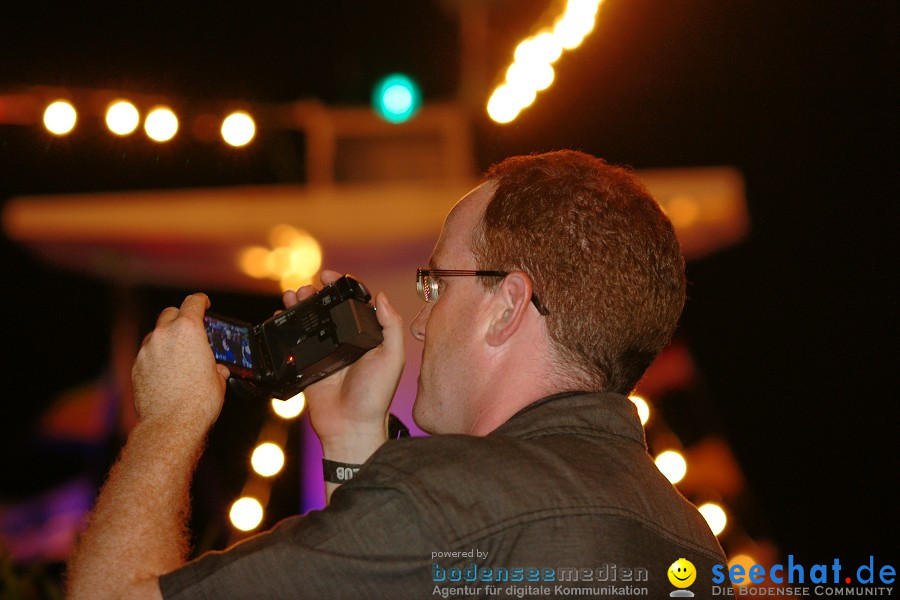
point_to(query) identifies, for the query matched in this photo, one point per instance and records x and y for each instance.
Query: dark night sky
(792, 329)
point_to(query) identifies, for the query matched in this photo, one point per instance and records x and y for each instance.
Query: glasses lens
(427, 287)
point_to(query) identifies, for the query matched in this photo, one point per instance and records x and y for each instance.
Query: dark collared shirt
(563, 494)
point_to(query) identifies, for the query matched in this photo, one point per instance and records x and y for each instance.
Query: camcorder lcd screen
(230, 342)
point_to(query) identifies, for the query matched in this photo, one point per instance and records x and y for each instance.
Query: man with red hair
(554, 284)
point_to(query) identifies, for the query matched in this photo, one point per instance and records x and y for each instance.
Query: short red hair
(603, 258)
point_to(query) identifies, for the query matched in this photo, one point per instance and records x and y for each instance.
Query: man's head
(591, 243)
(602, 255)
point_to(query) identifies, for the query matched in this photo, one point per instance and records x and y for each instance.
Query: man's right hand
(349, 409)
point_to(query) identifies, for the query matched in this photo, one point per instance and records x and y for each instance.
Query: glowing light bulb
(522, 96)
(715, 516)
(532, 70)
(267, 459)
(643, 409)
(583, 9)
(396, 98)
(536, 76)
(122, 118)
(290, 408)
(576, 23)
(161, 124)
(246, 513)
(60, 117)
(238, 129)
(502, 107)
(672, 464)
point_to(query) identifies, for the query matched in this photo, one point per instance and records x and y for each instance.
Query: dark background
(792, 329)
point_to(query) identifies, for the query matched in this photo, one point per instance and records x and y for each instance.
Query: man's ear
(511, 302)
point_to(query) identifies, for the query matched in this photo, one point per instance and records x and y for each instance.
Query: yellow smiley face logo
(682, 573)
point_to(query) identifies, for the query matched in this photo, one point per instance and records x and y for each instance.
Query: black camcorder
(298, 347)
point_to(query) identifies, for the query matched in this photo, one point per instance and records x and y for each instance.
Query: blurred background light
(396, 98)
(643, 409)
(744, 560)
(252, 262)
(161, 124)
(532, 70)
(246, 513)
(238, 129)
(122, 118)
(501, 106)
(545, 48)
(293, 259)
(60, 117)
(267, 459)
(290, 408)
(284, 235)
(672, 464)
(683, 211)
(715, 516)
(277, 261)
(576, 23)
(536, 76)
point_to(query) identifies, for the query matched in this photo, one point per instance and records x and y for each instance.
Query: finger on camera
(195, 305)
(291, 297)
(329, 276)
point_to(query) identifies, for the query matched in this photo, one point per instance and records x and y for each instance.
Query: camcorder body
(298, 347)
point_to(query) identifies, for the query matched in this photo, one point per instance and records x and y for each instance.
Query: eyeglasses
(427, 281)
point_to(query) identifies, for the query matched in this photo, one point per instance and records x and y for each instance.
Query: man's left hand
(176, 378)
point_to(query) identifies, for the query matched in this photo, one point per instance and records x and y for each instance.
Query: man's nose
(417, 327)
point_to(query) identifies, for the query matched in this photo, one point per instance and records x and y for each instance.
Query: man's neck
(507, 398)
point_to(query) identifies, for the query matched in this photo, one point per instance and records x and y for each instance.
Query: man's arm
(137, 530)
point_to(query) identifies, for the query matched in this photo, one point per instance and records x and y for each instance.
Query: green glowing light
(396, 98)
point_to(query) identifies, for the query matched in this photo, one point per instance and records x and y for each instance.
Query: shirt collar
(587, 413)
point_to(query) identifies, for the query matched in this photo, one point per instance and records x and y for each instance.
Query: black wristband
(338, 472)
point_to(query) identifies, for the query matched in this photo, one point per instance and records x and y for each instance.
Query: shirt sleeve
(368, 543)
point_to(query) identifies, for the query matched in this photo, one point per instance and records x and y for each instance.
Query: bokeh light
(294, 258)
(122, 118)
(672, 464)
(536, 76)
(532, 70)
(267, 459)
(238, 129)
(252, 261)
(396, 98)
(715, 516)
(683, 211)
(501, 106)
(643, 409)
(60, 117)
(744, 560)
(290, 408)
(161, 124)
(246, 513)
